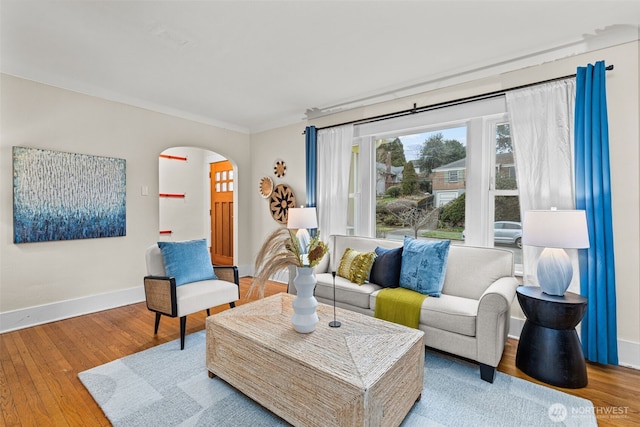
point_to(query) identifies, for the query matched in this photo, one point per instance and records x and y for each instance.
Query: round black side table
(549, 349)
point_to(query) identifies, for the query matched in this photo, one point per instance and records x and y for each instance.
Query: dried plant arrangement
(280, 250)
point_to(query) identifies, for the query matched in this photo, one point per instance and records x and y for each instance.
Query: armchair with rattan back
(166, 297)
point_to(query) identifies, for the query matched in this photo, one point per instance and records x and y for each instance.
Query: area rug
(163, 386)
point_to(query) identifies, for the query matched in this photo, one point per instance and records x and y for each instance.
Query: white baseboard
(515, 327)
(245, 270)
(38, 315)
(628, 352)
(280, 276)
(46, 313)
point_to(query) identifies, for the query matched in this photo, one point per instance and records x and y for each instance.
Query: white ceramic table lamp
(555, 230)
(302, 219)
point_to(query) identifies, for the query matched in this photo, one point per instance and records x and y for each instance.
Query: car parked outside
(506, 232)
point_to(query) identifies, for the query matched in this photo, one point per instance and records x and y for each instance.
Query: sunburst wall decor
(266, 187)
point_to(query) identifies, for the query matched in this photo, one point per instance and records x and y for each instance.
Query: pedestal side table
(549, 349)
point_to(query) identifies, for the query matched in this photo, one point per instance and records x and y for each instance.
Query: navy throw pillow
(386, 268)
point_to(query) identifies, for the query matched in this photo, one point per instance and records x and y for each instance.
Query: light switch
(145, 190)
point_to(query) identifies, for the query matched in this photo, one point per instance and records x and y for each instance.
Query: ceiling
(255, 65)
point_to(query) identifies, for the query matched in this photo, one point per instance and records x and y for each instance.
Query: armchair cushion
(187, 261)
(424, 265)
(196, 296)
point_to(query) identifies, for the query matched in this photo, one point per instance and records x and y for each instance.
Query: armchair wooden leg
(155, 329)
(183, 327)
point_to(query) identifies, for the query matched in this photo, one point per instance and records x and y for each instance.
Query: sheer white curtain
(542, 133)
(334, 159)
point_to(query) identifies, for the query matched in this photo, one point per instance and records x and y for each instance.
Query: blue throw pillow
(187, 261)
(386, 268)
(424, 265)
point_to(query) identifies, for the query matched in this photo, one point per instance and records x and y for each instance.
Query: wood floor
(39, 367)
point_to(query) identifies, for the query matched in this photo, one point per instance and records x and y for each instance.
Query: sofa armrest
(492, 324)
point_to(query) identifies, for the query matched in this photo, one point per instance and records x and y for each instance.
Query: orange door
(221, 213)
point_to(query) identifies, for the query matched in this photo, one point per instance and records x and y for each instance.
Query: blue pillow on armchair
(386, 268)
(187, 261)
(424, 264)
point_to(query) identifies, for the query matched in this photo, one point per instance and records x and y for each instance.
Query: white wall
(40, 282)
(623, 96)
(187, 218)
(287, 144)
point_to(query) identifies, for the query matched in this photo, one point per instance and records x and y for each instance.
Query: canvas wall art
(67, 196)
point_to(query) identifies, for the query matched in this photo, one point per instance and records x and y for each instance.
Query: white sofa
(471, 317)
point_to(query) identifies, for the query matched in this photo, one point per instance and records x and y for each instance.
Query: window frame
(481, 119)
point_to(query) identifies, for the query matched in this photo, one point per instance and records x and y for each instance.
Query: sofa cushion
(355, 265)
(347, 292)
(386, 267)
(188, 261)
(447, 313)
(424, 264)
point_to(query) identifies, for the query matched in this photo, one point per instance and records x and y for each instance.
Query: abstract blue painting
(67, 196)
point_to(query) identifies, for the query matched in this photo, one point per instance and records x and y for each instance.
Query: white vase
(304, 317)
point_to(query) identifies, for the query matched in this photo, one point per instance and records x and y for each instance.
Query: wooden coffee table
(368, 372)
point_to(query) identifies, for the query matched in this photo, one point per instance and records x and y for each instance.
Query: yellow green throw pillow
(355, 265)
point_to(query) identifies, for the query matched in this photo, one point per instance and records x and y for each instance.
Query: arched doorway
(186, 197)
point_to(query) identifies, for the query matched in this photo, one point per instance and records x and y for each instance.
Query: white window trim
(480, 119)
(492, 124)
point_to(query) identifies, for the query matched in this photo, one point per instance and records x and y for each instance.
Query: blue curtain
(311, 148)
(593, 194)
(310, 134)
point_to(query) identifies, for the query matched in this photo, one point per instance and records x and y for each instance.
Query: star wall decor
(281, 199)
(279, 168)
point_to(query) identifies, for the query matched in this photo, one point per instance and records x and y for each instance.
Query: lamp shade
(555, 229)
(298, 218)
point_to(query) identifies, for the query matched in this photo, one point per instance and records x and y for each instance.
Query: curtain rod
(415, 109)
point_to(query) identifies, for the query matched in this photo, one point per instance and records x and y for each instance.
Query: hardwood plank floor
(39, 366)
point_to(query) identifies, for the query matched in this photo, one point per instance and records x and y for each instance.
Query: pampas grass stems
(279, 250)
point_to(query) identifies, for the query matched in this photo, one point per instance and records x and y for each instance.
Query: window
(506, 201)
(352, 205)
(443, 174)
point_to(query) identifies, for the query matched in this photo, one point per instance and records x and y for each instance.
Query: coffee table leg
(419, 397)
(211, 374)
